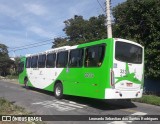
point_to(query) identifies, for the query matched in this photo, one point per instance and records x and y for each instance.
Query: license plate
(129, 84)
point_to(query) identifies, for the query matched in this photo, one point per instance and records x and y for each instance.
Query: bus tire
(26, 83)
(58, 90)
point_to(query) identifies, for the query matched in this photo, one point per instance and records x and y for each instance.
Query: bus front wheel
(26, 83)
(58, 91)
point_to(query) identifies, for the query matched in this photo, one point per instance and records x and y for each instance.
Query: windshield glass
(127, 52)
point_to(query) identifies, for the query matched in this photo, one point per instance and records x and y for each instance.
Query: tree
(75, 28)
(5, 61)
(97, 28)
(3, 50)
(15, 66)
(139, 20)
(58, 42)
(80, 30)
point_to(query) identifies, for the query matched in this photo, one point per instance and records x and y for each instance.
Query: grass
(149, 99)
(8, 108)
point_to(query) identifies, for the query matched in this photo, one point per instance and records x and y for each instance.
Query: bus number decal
(88, 75)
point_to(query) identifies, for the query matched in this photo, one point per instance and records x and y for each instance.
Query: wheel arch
(56, 82)
(25, 78)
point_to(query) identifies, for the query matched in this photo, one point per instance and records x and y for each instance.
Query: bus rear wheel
(58, 90)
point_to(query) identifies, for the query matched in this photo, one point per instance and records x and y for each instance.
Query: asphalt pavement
(44, 103)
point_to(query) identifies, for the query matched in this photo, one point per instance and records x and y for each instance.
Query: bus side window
(41, 61)
(34, 62)
(94, 56)
(62, 59)
(76, 58)
(50, 62)
(101, 52)
(90, 57)
(28, 62)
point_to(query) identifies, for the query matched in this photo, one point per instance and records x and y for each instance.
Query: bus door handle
(76, 82)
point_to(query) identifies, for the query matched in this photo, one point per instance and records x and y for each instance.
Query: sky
(25, 22)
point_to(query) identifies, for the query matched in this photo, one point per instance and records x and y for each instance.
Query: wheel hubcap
(58, 91)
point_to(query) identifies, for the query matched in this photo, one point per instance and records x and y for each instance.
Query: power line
(42, 41)
(36, 44)
(30, 47)
(27, 46)
(46, 41)
(100, 5)
(32, 44)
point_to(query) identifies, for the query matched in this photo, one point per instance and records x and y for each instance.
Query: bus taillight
(112, 78)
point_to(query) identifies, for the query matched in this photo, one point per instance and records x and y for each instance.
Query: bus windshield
(127, 52)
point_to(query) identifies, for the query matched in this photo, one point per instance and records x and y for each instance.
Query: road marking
(139, 113)
(76, 103)
(118, 122)
(60, 105)
(129, 110)
(73, 105)
(125, 122)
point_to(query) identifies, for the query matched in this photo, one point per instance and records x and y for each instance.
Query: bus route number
(122, 72)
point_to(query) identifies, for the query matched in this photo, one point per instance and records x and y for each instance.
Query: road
(43, 103)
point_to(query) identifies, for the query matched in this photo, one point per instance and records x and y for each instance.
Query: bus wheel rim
(58, 91)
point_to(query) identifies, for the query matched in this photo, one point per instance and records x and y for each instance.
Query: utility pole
(108, 19)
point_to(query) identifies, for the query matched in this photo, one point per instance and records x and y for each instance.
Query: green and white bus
(105, 69)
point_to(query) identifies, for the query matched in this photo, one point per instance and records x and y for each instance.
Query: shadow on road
(91, 102)
(102, 104)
